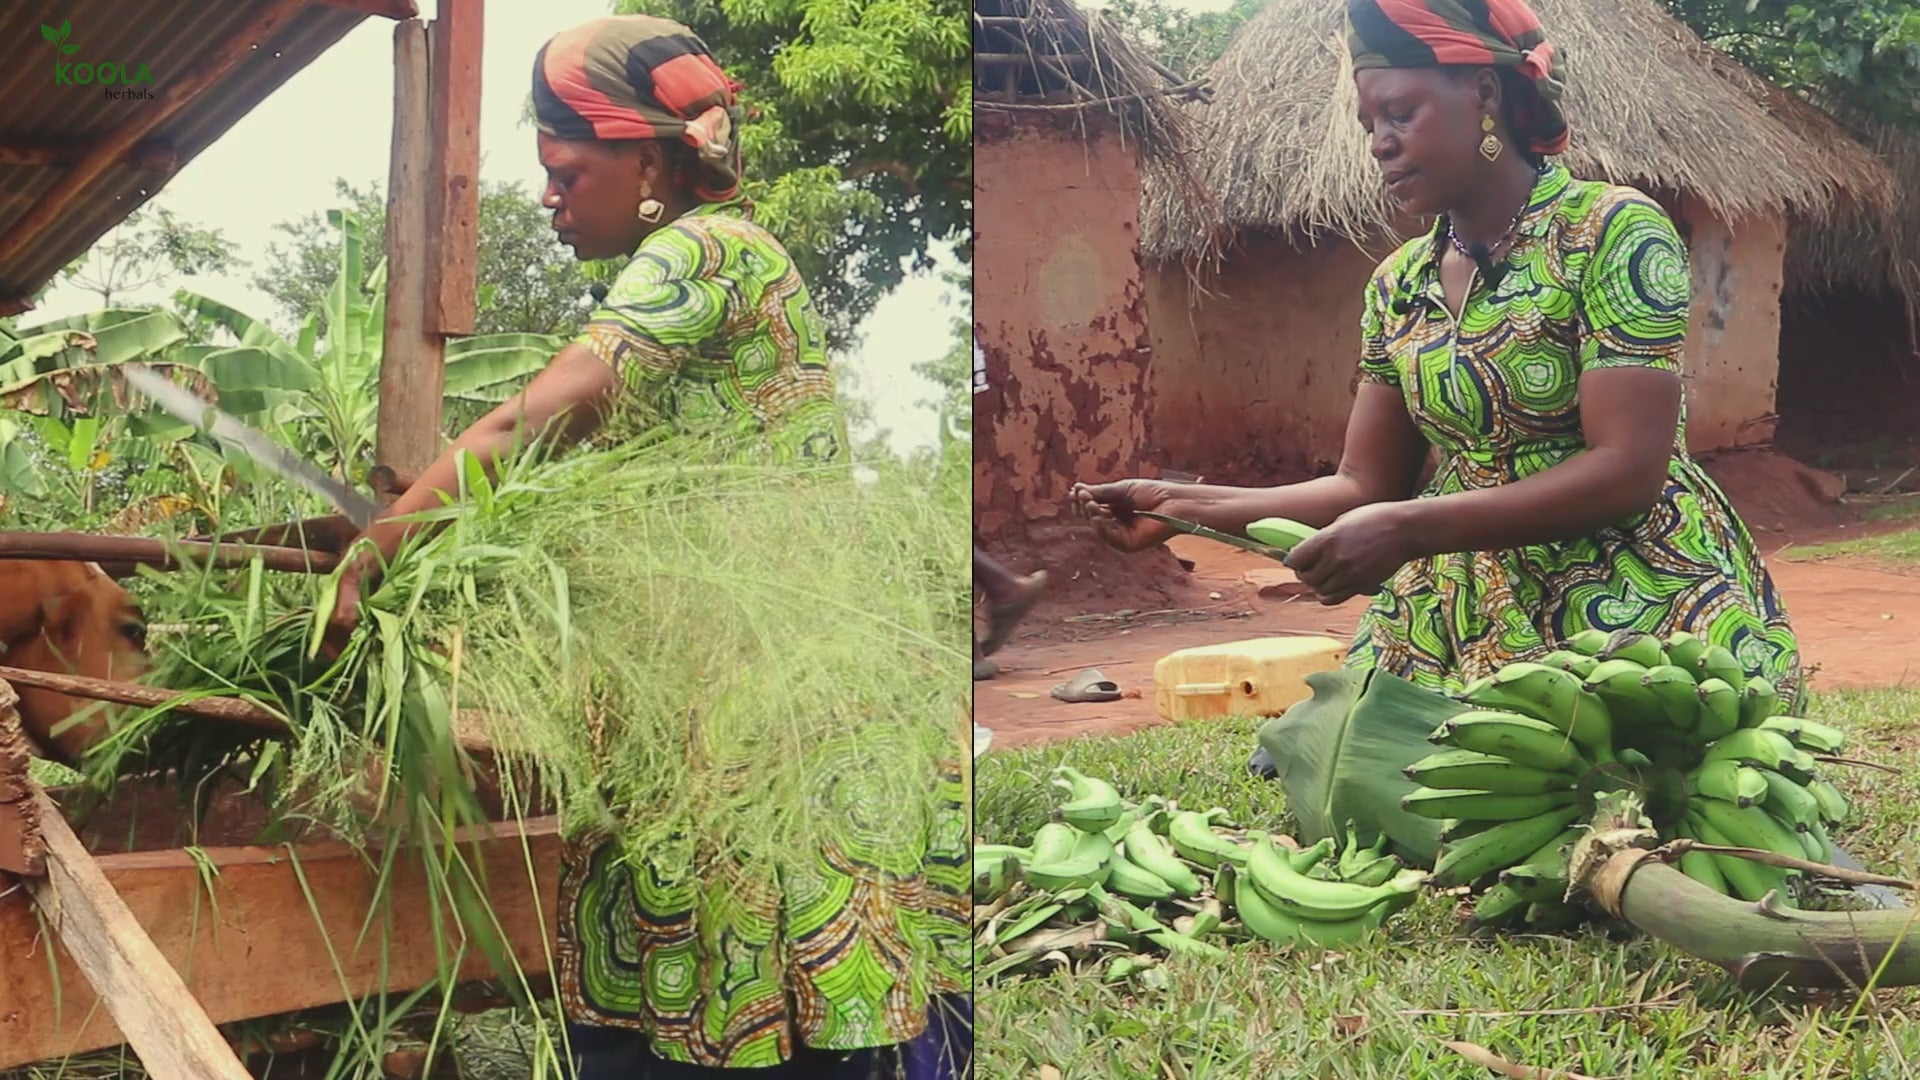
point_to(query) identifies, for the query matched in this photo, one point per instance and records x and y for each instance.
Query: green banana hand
(1551, 695)
(1441, 803)
(1193, 837)
(1466, 861)
(1523, 739)
(1484, 772)
(1303, 897)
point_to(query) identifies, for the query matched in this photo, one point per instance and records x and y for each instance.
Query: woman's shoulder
(1593, 206)
(700, 244)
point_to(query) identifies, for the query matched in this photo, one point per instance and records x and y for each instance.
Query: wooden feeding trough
(134, 923)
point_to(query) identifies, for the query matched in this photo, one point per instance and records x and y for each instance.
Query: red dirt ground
(1856, 622)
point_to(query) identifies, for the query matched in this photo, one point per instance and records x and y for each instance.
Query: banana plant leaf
(1339, 755)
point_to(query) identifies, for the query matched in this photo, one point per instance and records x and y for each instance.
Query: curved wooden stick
(174, 555)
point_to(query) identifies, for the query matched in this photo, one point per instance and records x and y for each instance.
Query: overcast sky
(335, 119)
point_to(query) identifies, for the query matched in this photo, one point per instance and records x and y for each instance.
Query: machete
(187, 408)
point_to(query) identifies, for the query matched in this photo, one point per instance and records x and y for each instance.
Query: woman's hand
(1110, 508)
(346, 606)
(1356, 554)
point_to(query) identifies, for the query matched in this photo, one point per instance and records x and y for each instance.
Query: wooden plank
(454, 39)
(216, 63)
(407, 430)
(23, 848)
(141, 991)
(251, 946)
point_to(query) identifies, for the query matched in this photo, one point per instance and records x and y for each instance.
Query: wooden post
(454, 39)
(22, 848)
(162, 1021)
(407, 430)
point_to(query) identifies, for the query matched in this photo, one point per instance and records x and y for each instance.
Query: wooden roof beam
(392, 9)
(214, 65)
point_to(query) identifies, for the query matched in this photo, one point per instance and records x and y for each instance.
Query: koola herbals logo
(80, 73)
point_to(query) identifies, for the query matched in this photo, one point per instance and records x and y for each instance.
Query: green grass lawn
(1386, 1009)
(1901, 546)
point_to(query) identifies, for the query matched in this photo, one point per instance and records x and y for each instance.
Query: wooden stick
(1858, 764)
(1673, 849)
(330, 534)
(392, 9)
(174, 555)
(146, 997)
(225, 709)
(176, 94)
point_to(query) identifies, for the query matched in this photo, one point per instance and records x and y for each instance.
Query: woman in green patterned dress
(1534, 336)
(860, 971)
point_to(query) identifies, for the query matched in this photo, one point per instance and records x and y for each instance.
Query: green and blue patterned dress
(711, 328)
(1597, 279)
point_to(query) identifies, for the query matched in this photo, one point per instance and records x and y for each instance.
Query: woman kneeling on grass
(1534, 336)
(709, 325)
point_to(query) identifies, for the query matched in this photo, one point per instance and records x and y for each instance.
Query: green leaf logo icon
(50, 33)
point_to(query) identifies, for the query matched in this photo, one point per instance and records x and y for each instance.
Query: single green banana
(1809, 734)
(1791, 804)
(1716, 662)
(1618, 682)
(1758, 699)
(1452, 829)
(1093, 803)
(1499, 905)
(1487, 805)
(1700, 866)
(988, 852)
(1636, 645)
(1117, 831)
(1553, 696)
(1522, 738)
(1813, 846)
(1130, 879)
(1484, 772)
(1053, 842)
(1745, 879)
(1683, 650)
(1307, 858)
(1545, 868)
(1569, 661)
(1719, 710)
(1146, 850)
(1096, 847)
(1068, 874)
(1279, 532)
(1753, 746)
(1587, 642)
(1378, 872)
(1207, 919)
(1635, 759)
(1677, 692)
(1801, 767)
(1833, 804)
(1747, 827)
(1466, 861)
(1296, 894)
(1193, 837)
(1730, 781)
(1827, 850)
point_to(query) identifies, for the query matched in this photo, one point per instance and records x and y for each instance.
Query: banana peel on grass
(1760, 943)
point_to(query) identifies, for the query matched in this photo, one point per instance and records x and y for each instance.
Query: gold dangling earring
(651, 209)
(1490, 147)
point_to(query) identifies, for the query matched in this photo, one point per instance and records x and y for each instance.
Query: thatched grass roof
(1648, 102)
(1861, 247)
(1050, 61)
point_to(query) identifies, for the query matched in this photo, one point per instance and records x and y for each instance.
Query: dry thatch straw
(1866, 248)
(1038, 59)
(1649, 104)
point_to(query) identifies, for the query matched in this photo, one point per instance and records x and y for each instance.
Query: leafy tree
(1859, 55)
(528, 283)
(1188, 42)
(146, 248)
(859, 136)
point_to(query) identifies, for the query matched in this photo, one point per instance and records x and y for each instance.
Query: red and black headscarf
(640, 77)
(1479, 33)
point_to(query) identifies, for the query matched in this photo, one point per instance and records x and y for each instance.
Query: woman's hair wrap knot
(1468, 33)
(641, 77)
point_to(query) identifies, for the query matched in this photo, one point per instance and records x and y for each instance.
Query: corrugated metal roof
(44, 117)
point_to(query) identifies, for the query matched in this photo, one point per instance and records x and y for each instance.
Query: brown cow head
(69, 618)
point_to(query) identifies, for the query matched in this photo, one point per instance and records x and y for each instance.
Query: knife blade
(1241, 542)
(188, 408)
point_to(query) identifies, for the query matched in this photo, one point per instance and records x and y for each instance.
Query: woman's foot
(1005, 614)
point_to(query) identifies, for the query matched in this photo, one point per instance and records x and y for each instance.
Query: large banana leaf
(54, 349)
(489, 367)
(1340, 753)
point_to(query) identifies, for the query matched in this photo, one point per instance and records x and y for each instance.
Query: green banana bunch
(1466, 861)
(1522, 739)
(1293, 893)
(1552, 695)
(1093, 804)
(1485, 772)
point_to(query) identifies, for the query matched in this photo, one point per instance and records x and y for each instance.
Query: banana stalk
(1761, 944)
